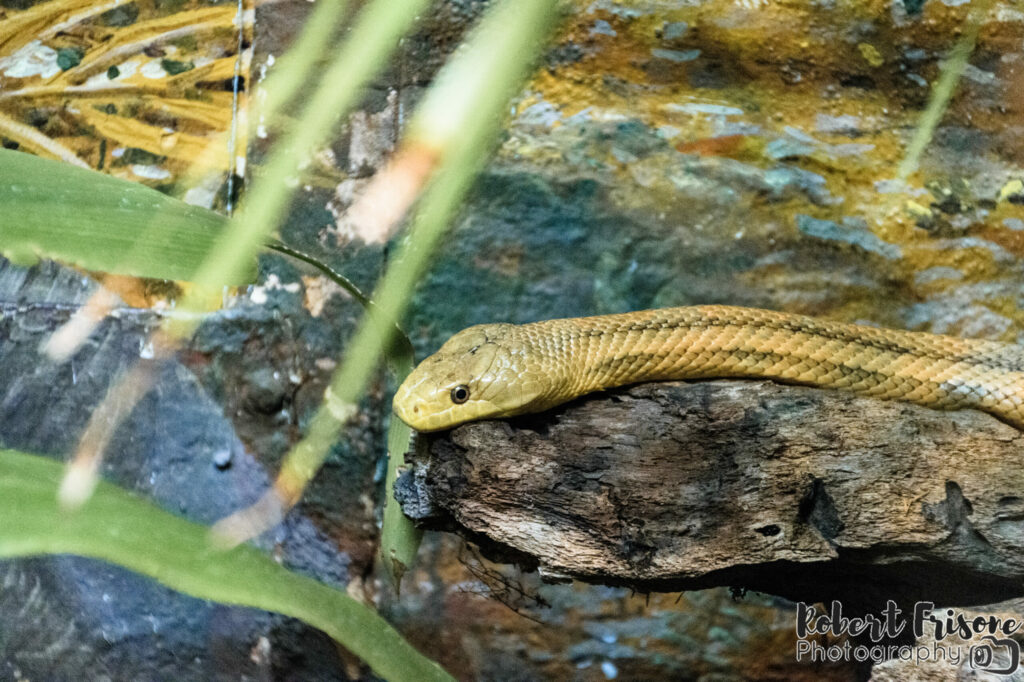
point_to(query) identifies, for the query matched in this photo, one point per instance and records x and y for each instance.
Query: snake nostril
(415, 409)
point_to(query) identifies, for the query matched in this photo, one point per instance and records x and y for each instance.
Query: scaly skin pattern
(507, 369)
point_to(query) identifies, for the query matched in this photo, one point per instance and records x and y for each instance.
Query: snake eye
(460, 394)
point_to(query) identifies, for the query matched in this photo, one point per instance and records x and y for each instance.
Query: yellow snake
(501, 370)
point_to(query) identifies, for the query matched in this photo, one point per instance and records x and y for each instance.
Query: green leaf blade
(98, 222)
(116, 527)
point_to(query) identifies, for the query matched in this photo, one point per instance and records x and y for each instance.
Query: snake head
(479, 373)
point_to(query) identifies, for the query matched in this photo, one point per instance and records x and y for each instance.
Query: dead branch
(804, 493)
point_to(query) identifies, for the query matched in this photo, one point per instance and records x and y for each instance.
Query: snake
(499, 370)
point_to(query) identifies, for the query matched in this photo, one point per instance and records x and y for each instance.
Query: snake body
(501, 370)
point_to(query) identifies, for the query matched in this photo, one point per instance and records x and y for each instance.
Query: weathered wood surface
(805, 493)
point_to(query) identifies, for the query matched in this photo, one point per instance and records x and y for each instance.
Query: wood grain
(804, 493)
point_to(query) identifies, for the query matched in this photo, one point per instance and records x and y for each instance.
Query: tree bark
(804, 493)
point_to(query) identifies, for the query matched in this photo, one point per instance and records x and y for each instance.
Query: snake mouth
(417, 416)
(409, 407)
(434, 422)
(411, 415)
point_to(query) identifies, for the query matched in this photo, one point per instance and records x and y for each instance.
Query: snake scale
(501, 370)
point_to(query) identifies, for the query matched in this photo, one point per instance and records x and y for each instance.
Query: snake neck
(594, 353)
(674, 343)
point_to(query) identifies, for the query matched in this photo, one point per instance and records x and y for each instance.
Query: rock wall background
(673, 153)
(666, 153)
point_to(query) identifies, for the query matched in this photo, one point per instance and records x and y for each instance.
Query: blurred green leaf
(400, 539)
(460, 116)
(55, 210)
(115, 526)
(952, 70)
(374, 35)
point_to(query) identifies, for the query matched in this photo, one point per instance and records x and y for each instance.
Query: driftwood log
(808, 494)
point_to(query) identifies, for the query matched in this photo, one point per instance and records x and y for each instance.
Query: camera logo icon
(998, 656)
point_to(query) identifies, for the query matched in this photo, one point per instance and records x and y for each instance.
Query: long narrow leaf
(942, 91)
(363, 54)
(115, 526)
(53, 210)
(503, 46)
(399, 538)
